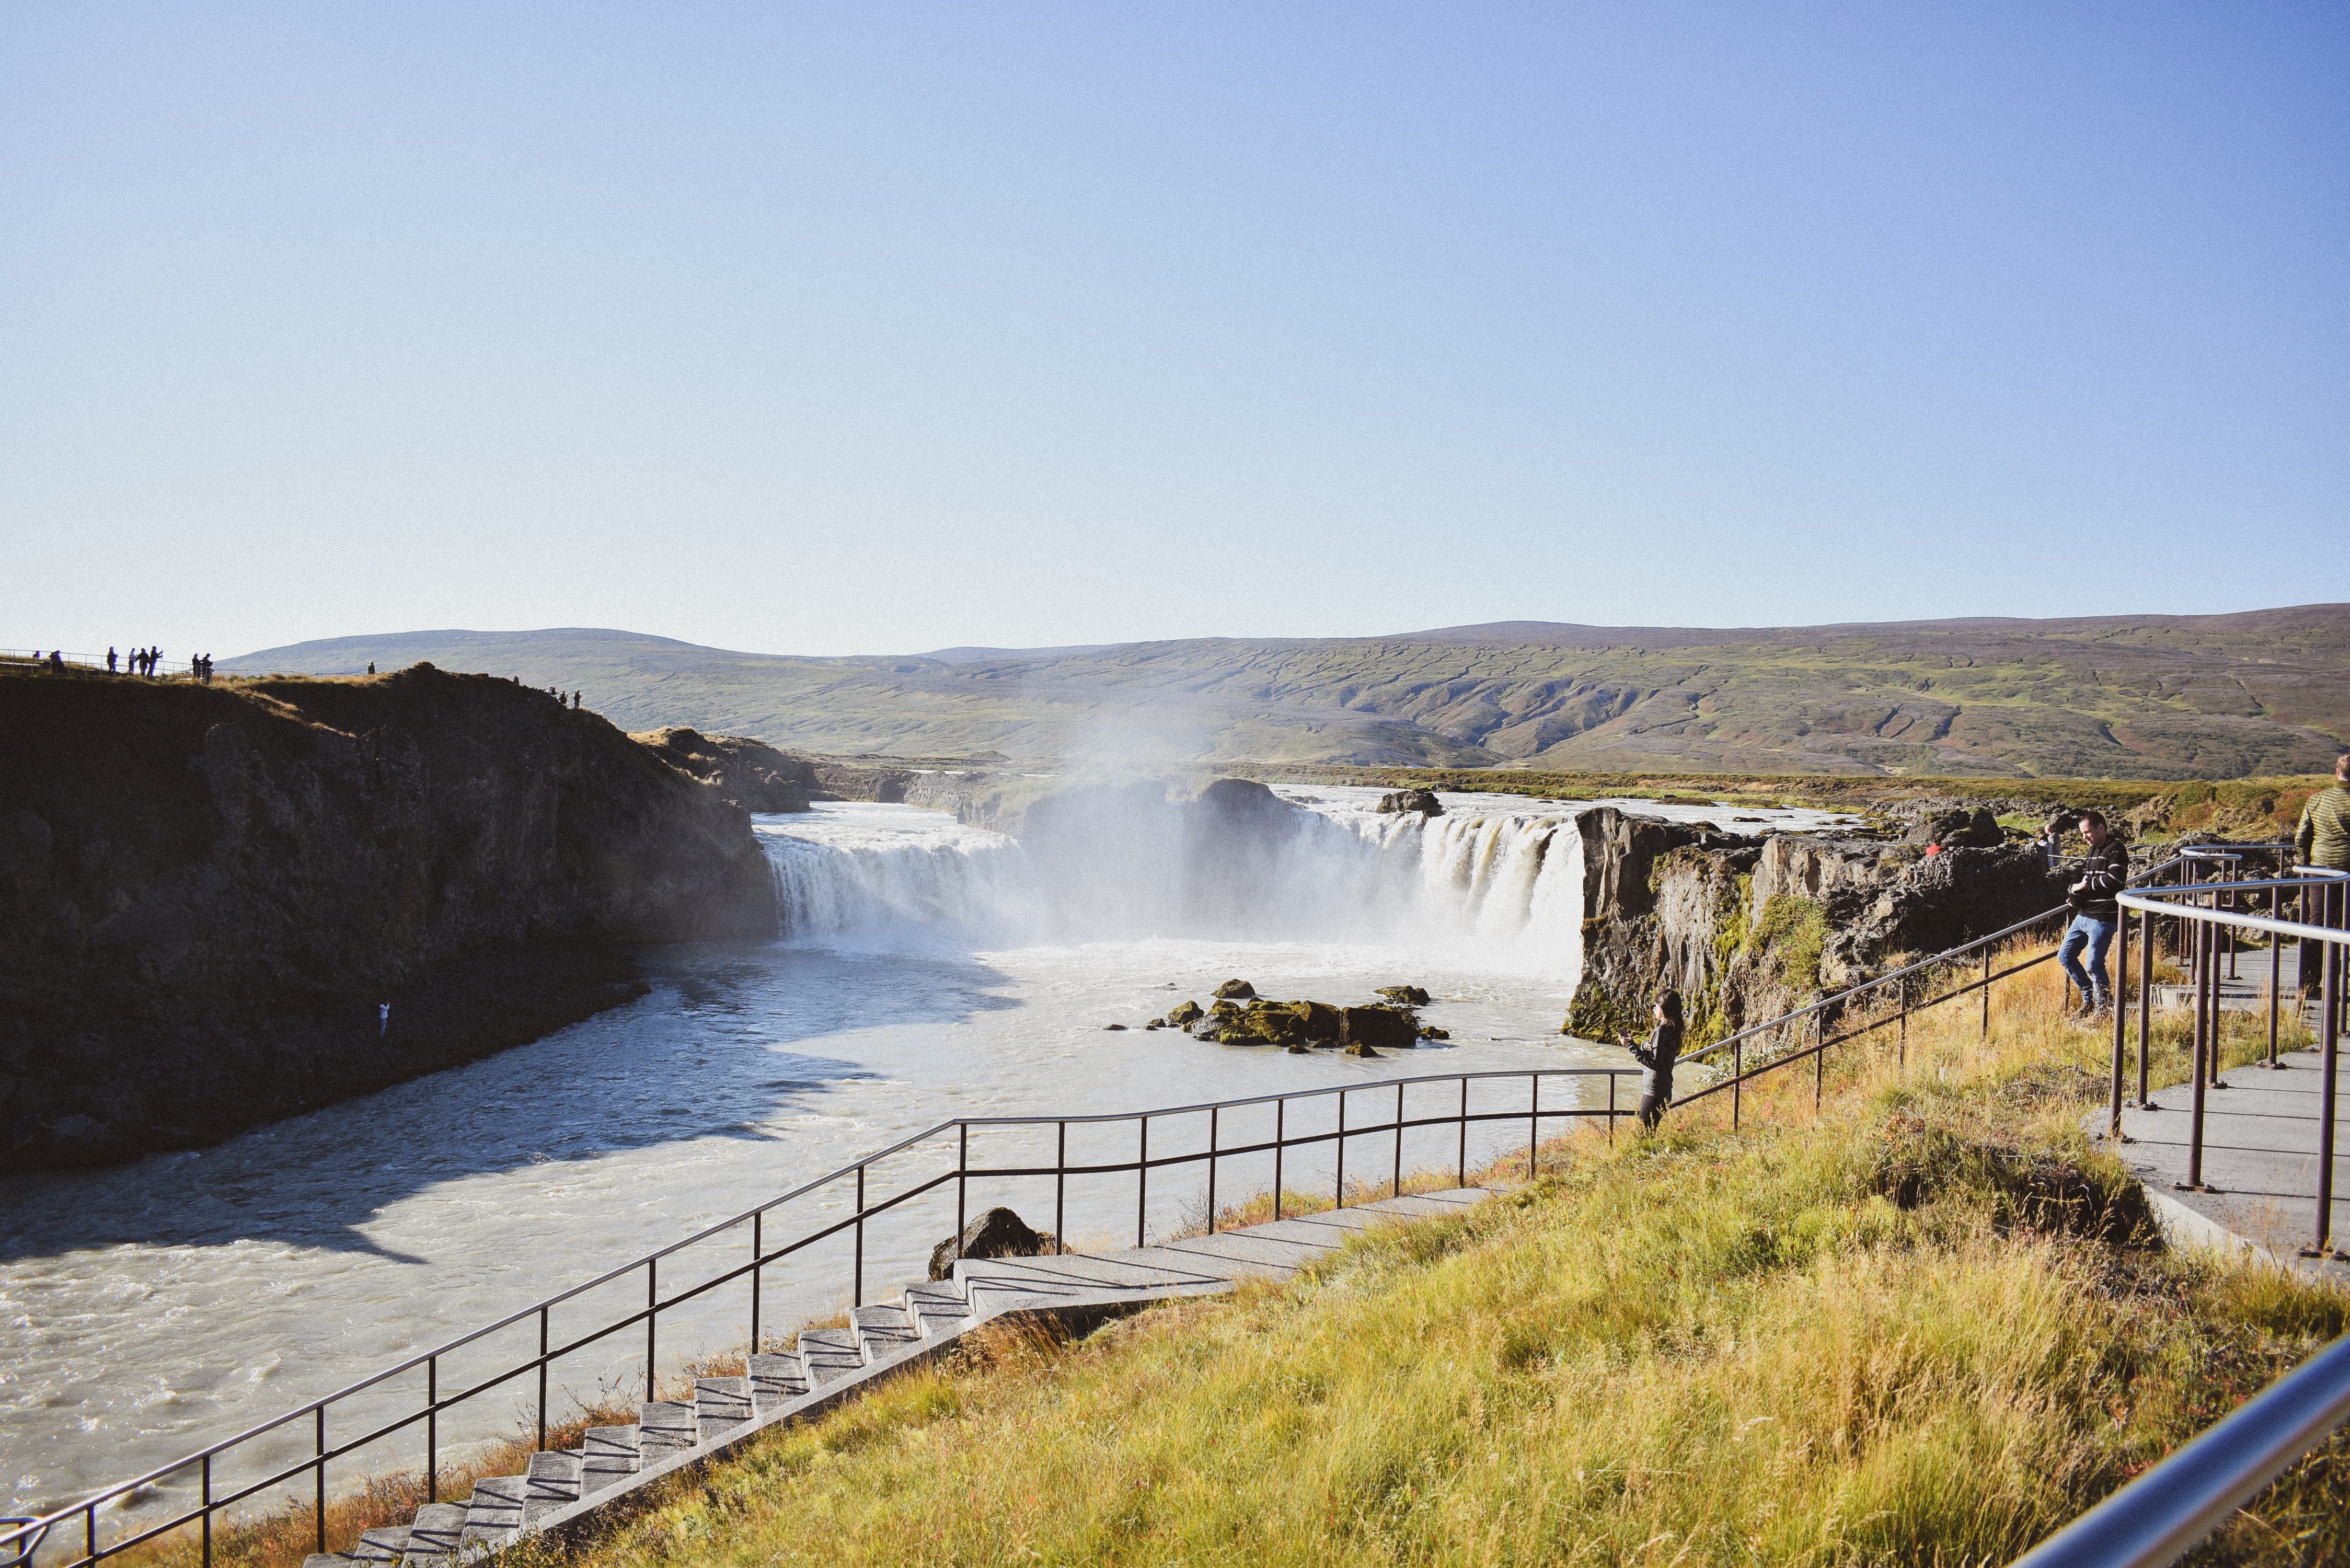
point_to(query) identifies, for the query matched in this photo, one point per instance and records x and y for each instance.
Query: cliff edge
(209, 892)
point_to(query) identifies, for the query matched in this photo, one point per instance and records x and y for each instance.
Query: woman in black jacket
(1657, 1056)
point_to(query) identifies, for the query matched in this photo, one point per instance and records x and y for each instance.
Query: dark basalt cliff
(207, 893)
(750, 772)
(1749, 928)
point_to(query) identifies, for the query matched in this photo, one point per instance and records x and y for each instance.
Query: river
(931, 969)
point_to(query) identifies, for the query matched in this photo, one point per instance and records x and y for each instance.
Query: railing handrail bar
(313, 1407)
(2164, 1513)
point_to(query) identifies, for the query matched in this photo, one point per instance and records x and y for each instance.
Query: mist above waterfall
(1497, 888)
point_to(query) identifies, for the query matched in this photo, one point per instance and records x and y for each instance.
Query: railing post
(1280, 1146)
(1397, 1189)
(205, 1497)
(1737, 1080)
(857, 1267)
(2146, 929)
(1213, 1113)
(2194, 1182)
(1986, 994)
(2328, 1036)
(1533, 1125)
(1611, 1108)
(963, 1183)
(1339, 1200)
(1903, 992)
(2120, 1000)
(2211, 961)
(757, 1267)
(1462, 1177)
(1061, 1187)
(1819, 1062)
(542, 1378)
(653, 1324)
(431, 1429)
(320, 1470)
(1142, 1186)
(2276, 973)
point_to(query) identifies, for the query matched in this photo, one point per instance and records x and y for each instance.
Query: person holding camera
(1657, 1057)
(2105, 871)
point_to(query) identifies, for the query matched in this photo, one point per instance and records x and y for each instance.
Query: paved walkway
(2260, 1156)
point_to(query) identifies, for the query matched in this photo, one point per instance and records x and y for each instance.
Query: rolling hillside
(2159, 697)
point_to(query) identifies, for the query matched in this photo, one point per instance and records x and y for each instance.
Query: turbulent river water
(931, 969)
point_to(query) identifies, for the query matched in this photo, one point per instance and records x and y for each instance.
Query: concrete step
(493, 1513)
(609, 1457)
(665, 1426)
(325, 1559)
(384, 1544)
(719, 1404)
(936, 1307)
(553, 1480)
(829, 1355)
(774, 1379)
(435, 1539)
(882, 1329)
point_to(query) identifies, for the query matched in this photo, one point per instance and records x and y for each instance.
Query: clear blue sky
(880, 327)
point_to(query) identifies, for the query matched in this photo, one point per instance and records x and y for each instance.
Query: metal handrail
(2168, 1511)
(27, 1532)
(2165, 1513)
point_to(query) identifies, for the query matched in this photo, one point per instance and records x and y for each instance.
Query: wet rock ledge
(208, 892)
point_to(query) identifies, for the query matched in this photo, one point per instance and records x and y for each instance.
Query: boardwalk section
(2259, 1162)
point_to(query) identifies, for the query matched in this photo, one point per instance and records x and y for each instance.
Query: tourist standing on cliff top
(2105, 871)
(1657, 1057)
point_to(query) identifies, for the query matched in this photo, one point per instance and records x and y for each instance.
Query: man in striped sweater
(2323, 839)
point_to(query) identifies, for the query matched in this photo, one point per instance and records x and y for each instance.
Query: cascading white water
(897, 879)
(1497, 888)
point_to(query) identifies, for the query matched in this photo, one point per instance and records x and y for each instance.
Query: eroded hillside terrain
(2153, 697)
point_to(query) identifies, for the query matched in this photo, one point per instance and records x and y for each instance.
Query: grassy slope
(2206, 697)
(1924, 1328)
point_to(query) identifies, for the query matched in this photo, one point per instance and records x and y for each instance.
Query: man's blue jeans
(2096, 936)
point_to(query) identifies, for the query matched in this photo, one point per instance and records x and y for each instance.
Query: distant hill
(2265, 692)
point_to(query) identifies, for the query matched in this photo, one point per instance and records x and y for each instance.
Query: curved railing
(348, 1431)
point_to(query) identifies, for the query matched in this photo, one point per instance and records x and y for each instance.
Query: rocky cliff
(209, 892)
(1747, 927)
(750, 772)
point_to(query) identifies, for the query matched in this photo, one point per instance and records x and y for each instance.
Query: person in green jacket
(2323, 836)
(2323, 839)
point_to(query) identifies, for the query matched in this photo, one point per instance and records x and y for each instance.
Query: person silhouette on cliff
(382, 1019)
(1657, 1056)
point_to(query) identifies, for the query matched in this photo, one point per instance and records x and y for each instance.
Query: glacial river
(931, 971)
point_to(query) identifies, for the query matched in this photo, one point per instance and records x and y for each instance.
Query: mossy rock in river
(1226, 1008)
(1235, 988)
(1404, 995)
(1273, 1026)
(1182, 1014)
(1383, 1028)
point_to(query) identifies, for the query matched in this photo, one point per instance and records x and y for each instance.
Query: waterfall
(1492, 889)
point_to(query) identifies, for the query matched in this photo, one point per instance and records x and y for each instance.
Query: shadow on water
(725, 1047)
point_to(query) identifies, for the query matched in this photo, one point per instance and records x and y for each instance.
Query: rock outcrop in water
(210, 891)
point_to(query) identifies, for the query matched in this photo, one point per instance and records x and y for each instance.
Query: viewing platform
(2259, 1162)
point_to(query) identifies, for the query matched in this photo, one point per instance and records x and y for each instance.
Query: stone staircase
(829, 1365)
